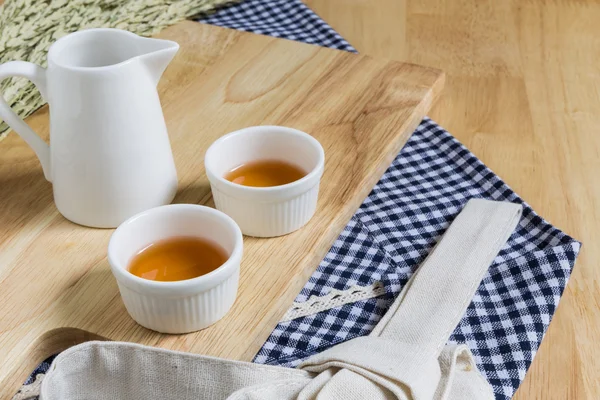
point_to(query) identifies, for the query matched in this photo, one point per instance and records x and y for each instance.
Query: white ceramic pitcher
(109, 155)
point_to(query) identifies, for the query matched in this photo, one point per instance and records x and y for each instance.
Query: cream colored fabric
(30, 391)
(404, 358)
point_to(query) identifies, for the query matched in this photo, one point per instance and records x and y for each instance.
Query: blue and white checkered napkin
(398, 224)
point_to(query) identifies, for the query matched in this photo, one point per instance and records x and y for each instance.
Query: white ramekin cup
(178, 306)
(266, 211)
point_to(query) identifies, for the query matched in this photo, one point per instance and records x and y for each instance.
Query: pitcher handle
(37, 75)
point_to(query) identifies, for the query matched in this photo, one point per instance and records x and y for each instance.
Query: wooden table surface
(522, 93)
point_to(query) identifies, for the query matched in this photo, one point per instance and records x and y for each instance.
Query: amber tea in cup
(266, 178)
(265, 173)
(177, 259)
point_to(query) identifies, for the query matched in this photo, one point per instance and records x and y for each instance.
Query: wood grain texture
(523, 93)
(55, 282)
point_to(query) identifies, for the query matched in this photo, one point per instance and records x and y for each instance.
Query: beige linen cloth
(404, 358)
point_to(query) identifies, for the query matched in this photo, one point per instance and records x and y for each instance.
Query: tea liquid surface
(265, 173)
(177, 259)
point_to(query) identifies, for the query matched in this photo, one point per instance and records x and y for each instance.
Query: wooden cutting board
(56, 288)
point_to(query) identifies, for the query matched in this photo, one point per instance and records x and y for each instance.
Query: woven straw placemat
(29, 27)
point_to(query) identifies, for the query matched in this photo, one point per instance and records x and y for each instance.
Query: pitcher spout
(156, 55)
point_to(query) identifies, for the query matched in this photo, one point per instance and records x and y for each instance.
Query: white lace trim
(30, 391)
(333, 299)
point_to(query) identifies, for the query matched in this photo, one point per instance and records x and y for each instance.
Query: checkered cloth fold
(398, 224)
(391, 234)
(287, 19)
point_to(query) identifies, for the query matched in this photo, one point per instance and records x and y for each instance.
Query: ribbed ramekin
(266, 211)
(178, 306)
